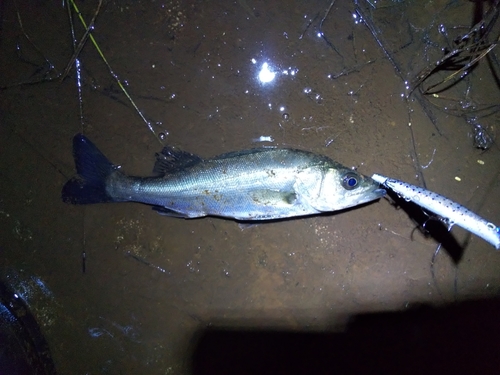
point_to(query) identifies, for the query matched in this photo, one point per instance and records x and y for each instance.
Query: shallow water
(152, 284)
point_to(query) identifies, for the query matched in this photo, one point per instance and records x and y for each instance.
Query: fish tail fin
(93, 169)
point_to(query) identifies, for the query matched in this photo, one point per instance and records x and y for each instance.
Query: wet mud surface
(117, 288)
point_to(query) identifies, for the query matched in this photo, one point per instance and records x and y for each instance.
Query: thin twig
(50, 67)
(474, 52)
(113, 74)
(83, 40)
(321, 29)
(461, 71)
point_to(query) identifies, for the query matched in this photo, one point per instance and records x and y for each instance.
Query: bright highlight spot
(266, 75)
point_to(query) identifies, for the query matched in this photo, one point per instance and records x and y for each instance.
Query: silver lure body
(257, 184)
(451, 211)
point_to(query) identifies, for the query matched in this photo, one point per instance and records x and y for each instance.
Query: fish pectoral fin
(168, 212)
(269, 197)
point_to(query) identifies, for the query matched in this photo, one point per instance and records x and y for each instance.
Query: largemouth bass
(257, 184)
(451, 212)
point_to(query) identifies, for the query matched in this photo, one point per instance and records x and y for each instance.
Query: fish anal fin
(168, 212)
(172, 213)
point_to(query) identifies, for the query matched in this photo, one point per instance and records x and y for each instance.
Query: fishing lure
(452, 212)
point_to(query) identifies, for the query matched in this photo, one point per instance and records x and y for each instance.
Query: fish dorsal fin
(171, 160)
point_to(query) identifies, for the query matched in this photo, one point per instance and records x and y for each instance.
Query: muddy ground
(118, 289)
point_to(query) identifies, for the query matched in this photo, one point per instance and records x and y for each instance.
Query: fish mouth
(369, 196)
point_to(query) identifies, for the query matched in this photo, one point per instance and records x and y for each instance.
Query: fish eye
(350, 180)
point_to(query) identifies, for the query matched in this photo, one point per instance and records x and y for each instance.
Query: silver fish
(258, 184)
(449, 210)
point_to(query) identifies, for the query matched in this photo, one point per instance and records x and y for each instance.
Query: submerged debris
(482, 138)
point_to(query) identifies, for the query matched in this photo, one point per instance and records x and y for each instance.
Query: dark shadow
(461, 339)
(23, 349)
(430, 225)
